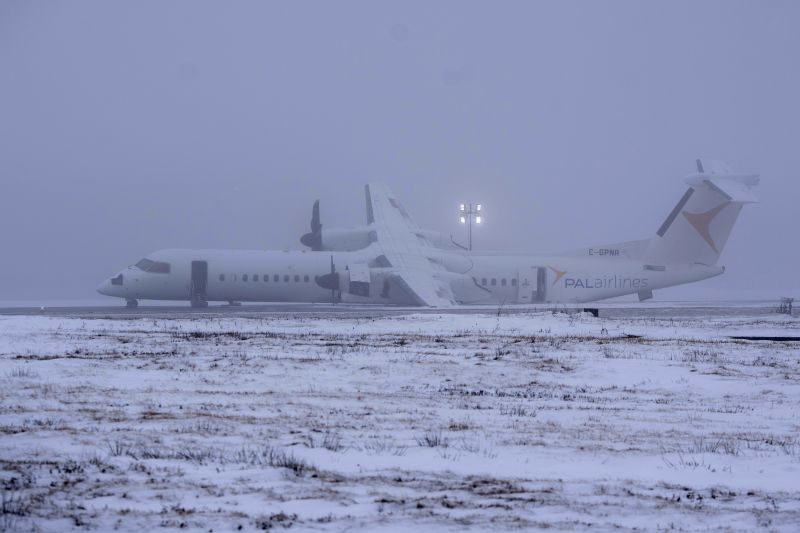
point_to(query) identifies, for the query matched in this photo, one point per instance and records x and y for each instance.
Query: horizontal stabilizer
(713, 166)
(734, 188)
(718, 176)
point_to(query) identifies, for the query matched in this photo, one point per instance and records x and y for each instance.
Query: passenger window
(483, 281)
(266, 278)
(286, 278)
(244, 277)
(255, 277)
(296, 278)
(276, 278)
(494, 282)
(222, 277)
(503, 282)
(305, 278)
(513, 282)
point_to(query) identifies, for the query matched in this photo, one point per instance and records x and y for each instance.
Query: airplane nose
(103, 287)
(111, 286)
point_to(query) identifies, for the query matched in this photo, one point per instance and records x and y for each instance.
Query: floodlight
(469, 213)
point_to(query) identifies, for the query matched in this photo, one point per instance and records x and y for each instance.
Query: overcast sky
(129, 127)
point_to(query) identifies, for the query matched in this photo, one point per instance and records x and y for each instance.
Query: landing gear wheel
(132, 304)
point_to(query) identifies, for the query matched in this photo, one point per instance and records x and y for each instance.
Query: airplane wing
(407, 249)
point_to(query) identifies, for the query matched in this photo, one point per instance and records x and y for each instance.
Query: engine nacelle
(359, 283)
(346, 239)
(339, 239)
(358, 238)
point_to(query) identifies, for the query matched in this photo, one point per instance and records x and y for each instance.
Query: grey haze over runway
(130, 127)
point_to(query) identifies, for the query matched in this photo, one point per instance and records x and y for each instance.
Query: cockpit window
(158, 267)
(144, 264)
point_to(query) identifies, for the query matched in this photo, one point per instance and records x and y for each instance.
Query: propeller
(314, 239)
(329, 281)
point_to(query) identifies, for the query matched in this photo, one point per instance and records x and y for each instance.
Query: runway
(605, 310)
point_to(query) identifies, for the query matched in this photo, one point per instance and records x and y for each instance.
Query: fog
(129, 127)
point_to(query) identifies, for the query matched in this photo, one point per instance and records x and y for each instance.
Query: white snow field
(401, 423)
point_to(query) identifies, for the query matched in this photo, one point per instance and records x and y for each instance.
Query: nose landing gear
(131, 304)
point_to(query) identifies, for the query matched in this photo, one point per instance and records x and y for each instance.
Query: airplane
(397, 263)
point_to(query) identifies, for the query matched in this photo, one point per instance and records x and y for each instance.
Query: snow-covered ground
(402, 423)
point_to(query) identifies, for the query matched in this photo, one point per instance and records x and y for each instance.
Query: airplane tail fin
(698, 227)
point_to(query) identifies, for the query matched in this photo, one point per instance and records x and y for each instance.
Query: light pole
(466, 213)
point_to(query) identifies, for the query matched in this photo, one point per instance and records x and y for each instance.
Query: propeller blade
(316, 225)
(314, 239)
(330, 281)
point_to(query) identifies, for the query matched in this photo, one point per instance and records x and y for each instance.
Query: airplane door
(538, 295)
(524, 286)
(531, 284)
(198, 287)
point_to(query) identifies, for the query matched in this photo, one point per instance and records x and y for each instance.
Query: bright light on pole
(466, 214)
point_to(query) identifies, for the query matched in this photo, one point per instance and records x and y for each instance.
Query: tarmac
(607, 310)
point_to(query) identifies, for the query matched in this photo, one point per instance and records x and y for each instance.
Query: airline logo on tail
(702, 223)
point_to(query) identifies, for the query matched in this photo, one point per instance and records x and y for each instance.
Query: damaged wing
(407, 249)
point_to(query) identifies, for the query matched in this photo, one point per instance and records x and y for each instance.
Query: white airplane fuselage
(399, 263)
(290, 276)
